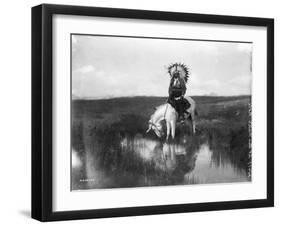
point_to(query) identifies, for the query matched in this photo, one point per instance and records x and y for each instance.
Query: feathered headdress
(181, 68)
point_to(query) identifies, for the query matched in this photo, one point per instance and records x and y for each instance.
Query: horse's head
(156, 127)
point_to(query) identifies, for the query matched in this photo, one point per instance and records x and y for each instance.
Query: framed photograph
(145, 112)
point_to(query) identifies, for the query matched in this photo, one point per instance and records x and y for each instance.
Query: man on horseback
(176, 104)
(177, 88)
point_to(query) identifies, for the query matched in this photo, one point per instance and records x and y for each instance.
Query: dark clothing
(177, 88)
(181, 105)
(177, 91)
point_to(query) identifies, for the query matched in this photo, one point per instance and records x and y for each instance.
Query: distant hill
(199, 99)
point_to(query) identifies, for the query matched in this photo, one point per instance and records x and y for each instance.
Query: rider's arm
(183, 87)
(170, 87)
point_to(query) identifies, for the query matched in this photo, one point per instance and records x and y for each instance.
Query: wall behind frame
(15, 119)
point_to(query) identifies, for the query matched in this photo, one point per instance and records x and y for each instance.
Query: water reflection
(132, 161)
(208, 170)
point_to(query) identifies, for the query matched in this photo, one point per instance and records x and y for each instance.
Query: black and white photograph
(154, 111)
(142, 111)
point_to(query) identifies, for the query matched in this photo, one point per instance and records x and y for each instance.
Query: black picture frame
(42, 107)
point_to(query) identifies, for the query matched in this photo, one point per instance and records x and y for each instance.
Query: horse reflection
(167, 157)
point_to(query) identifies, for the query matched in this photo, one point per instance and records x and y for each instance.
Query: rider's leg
(186, 105)
(181, 110)
(192, 116)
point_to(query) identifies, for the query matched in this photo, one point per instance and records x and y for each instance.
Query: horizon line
(119, 97)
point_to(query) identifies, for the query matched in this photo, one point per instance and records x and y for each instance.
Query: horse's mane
(161, 106)
(156, 108)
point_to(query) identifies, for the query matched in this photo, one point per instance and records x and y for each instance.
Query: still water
(134, 161)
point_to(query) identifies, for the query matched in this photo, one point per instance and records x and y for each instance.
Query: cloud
(101, 83)
(245, 47)
(85, 69)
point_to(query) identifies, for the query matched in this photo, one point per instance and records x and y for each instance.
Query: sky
(108, 67)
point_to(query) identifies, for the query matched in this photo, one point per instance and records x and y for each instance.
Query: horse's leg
(168, 129)
(149, 128)
(173, 128)
(192, 116)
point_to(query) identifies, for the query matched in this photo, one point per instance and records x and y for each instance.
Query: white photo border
(64, 199)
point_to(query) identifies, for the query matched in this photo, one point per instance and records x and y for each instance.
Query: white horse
(169, 114)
